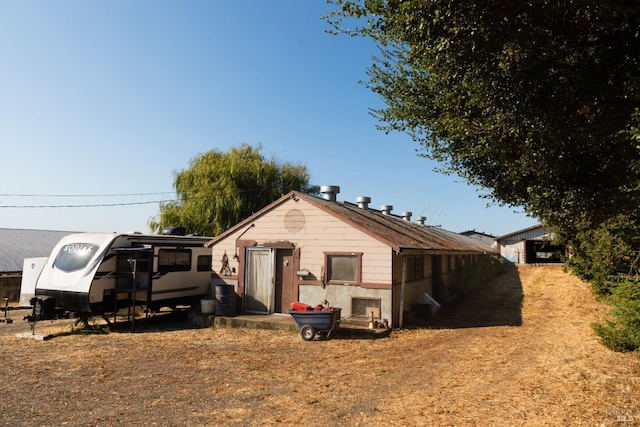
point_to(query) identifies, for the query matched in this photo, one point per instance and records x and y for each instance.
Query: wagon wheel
(307, 332)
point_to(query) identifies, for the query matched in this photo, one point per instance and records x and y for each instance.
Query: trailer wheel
(307, 332)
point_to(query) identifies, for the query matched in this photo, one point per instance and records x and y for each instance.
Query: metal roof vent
(421, 219)
(407, 216)
(329, 192)
(363, 202)
(386, 209)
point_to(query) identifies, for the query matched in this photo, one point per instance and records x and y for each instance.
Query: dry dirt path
(520, 353)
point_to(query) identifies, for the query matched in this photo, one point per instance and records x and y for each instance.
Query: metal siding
(18, 244)
(511, 253)
(526, 234)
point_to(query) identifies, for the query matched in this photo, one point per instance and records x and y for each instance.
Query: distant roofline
(478, 232)
(37, 229)
(524, 230)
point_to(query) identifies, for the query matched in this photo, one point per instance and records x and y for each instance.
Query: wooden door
(284, 281)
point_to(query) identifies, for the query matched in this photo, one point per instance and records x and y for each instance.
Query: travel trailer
(95, 273)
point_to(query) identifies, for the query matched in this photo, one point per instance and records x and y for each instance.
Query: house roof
(396, 232)
(18, 244)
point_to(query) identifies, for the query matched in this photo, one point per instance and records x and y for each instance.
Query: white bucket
(208, 306)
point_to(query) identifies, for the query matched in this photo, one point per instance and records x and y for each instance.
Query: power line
(241, 190)
(96, 205)
(83, 206)
(85, 195)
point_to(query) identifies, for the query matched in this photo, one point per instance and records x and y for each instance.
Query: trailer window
(204, 262)
(174, 260)
(74, 256)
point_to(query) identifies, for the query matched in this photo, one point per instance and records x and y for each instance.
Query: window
(74, 256)
(342, 267)
(415, 267)
(174, 260)
(204, 262)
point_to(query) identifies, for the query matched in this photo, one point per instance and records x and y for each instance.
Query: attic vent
(294, 221)
(362, 308)
(329, 192)
(363, 202)
(421, 219)
(386, 209)
(407, 216)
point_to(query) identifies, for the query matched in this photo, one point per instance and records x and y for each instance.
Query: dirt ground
(520, 353)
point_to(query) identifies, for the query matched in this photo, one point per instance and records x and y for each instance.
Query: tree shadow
(173, 320)
(499, 303)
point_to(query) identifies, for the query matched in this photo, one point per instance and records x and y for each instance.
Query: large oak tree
(537, 102)
(534, 101)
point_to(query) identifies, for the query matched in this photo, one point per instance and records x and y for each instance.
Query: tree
(535, 101)
(220, 189)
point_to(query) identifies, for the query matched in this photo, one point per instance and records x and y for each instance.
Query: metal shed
(15, 246)
(533, 245)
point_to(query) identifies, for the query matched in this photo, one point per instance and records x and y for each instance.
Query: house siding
(342, 296)
(313, 233)
(316, 228)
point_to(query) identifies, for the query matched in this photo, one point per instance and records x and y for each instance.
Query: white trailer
(92, 273)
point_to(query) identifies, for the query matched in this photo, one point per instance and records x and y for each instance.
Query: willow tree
(219, 189)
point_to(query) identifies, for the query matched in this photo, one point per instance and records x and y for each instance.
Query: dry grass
(520, 353)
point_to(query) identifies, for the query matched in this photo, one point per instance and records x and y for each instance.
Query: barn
(369, 262)
(15, 246)
(533, 245)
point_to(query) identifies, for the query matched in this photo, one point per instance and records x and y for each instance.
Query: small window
(343, 267)
(415, 267)
(74, 256)
(204, 262)
(174, 260)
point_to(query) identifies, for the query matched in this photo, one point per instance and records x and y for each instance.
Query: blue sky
(105, 100)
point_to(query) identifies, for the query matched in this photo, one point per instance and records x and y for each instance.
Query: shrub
(600, 253)
(622, 333)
